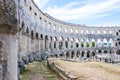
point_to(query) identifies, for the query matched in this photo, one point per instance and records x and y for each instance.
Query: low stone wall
(61, 72)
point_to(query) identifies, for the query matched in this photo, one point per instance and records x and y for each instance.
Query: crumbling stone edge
(61, 72)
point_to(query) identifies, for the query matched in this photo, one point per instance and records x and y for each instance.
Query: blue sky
(88, 12)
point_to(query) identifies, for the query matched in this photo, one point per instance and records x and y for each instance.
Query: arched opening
(87, 43)
(41, 42)
(27, 39)
(32, 34)
(23, 27)
(37, 36)
(88, 54)
(83, 52)
(110, 43)
(105, 51)
(71, 30)
(41, 36)
(51, 42)
(93, 43)
(32, 40)
(61, 42)
(62, 54)
(55, 40)
(37, 42)
(72, 41)
(67, 54)
(105, 43)
(99, 51)
(56, 55)
(117, 33)
(78, 54)
(46, 42)
(27, 31)
(82, 43)
(77, 43)
(66, 42)
(72, 54)
(118, 52)
(99, 43)
(93, 54)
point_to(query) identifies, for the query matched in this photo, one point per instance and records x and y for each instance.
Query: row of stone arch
(83, 54)
(60, 42)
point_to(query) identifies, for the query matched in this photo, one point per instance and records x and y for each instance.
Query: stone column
(43, 44)
(24, 43)
(69, 45)
(47, 44)
(75, 57)
(8, 39)
(39, 44)
(34, 44)
(57, 44)
(63, 45)
(80, 56)
(49, 41)
(52, 44)
(28, 42)
(8, 51)
(70, 54)
(29, 39)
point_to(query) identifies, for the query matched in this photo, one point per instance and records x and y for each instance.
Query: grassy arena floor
(38, 71)
(90, 70)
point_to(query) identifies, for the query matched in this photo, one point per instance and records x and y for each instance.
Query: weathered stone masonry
(28, 34)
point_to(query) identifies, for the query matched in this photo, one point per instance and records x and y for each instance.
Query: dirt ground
(38, 71)
(90, 70)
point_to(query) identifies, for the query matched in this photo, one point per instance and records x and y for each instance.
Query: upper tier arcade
(47, 22)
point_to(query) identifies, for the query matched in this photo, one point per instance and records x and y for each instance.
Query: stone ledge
(61, 72)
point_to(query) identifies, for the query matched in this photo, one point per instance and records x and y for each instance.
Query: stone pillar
(39, 45)
(34, 44)
(75, 57)
(70, 54)
(57, 44)
(8, 51)
(80, 56)
(8, 39)
(52, 44)
(63, 47)
(48, 46)
(29, 39)
(24, 45)
(28, 42)
(85, 54)
(43, 44)
(68, 45)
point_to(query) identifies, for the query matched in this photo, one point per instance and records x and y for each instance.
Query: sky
(86, 12)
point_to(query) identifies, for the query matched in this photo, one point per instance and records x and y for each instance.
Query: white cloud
(72, 10)
(81, 10)
(41, 3)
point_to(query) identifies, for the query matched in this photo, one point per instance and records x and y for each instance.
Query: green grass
(40, 70)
